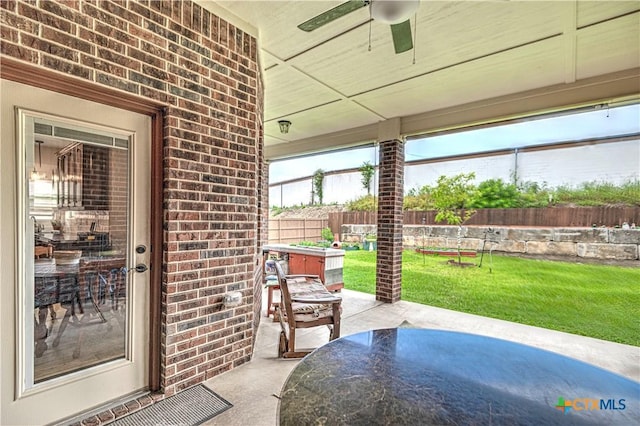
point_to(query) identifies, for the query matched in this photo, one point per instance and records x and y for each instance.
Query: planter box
(324, 262)
(447, 252)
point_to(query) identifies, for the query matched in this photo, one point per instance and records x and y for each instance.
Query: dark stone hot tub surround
(422, 376)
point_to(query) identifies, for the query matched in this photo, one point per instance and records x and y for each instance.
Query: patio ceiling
(474, 60)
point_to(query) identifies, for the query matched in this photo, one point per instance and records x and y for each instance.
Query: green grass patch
(598, 301)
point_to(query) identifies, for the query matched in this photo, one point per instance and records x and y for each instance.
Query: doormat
(189, 407)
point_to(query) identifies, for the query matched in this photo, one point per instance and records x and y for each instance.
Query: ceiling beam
(389, 130)
(344, 139)
(590, 91)
(570, 35)
(601, 89)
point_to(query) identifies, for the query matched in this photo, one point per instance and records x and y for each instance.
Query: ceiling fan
(396, 13)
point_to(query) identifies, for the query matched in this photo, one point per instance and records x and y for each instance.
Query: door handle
(140, 267)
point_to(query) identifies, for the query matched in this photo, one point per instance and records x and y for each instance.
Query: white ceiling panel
(337, 116)
(291, 91)
(590, 12)
(436, 46)
(508, 72)
(345, 71)
(465, 51)
(268, 60)
(278, 21)
(459, 31)
(608, 47)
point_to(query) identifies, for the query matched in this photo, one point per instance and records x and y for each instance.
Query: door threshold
(115, 409)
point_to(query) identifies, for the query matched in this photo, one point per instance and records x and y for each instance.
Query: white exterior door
(74, 216)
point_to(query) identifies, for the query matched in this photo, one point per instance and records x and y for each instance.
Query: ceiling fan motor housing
(393, 11)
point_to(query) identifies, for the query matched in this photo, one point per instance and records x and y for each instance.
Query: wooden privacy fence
(296, 230)
(549, 216)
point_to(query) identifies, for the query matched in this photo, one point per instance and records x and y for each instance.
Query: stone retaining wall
(598, 243)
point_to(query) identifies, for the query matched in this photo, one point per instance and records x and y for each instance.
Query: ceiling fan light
(393, 11)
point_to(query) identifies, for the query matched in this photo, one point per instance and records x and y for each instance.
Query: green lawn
(591, 300)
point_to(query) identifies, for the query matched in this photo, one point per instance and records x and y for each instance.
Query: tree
(368, 170)
(316, 182)
(451, 196)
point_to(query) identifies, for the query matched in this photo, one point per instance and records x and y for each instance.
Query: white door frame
(13, 408)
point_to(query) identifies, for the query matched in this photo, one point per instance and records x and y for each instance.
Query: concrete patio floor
(253, 388)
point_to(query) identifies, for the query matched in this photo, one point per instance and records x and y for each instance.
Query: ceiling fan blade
(332, 14)
(401, 34)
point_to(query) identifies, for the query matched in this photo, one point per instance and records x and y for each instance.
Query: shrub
(419, 199)
(325, 244)
(495, 193)
(352, 246)
(327, 235)
(532, 194)
(600, 193)
(366, 203)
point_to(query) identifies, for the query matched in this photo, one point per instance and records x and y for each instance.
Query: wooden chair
(97, 279)
(305, 303)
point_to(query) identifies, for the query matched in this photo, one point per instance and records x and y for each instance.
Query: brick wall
(389, 230)
(263, 212)
(118, 207)
(206, 72)
(95, 177)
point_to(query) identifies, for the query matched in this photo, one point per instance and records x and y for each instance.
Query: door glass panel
(77, 210)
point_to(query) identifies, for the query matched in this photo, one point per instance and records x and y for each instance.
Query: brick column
(262, 234)
(263, 203)
(390, 195)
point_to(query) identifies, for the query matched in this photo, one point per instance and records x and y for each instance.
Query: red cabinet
(297, 263)
(306, 264)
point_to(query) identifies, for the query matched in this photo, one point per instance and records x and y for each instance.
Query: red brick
(212, 150)
(389, 276)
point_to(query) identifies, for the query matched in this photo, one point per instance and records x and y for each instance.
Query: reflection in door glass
(78, 193)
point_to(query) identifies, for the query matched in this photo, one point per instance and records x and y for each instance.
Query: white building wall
(614, 162)
(419, 175)
(345, 187)
(291, 194)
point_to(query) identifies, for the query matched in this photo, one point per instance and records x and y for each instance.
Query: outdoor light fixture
(284, 126)
(393, 12)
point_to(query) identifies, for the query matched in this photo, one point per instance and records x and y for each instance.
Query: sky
(600, 122)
